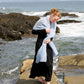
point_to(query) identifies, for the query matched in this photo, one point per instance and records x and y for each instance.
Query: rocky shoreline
(71, 64)
(64, 61)
(75, 60)
(14, 26)
(25, 71)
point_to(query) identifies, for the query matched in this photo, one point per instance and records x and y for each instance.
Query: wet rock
(12, 35)
(70, 15)
(69, 64)
(1, 31)
(74, 79)
(2, 13)
(75, 60)
(63, 14)
(47, 13)
(16, 23)
(1, 43)
(57, 30)
(25, 72)
(81, 12)
(67, 21)
(26, 65)
(9, 35)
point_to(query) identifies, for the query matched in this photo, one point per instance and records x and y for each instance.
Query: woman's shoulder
(42, 19)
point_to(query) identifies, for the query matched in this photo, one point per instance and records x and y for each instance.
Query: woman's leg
(49, 65)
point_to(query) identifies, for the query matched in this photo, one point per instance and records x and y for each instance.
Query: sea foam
(41, 13)
(11, 71)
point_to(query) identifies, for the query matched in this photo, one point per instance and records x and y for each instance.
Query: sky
(34, 0)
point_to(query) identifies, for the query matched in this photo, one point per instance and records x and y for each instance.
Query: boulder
(1, 43)
(1, 31)
(63, 14)
(9, 35)
(12, 35)
(57, 30)
(2, 13)
(47, 13)
(70, 15)
(73, 60)
(68, 64)
(25, 72)
(67, 21)
(16, 23)
(74, 79)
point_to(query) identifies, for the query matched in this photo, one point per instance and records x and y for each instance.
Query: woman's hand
(47, 30)
(47, 41)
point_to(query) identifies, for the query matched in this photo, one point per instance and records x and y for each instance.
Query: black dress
(42, 68)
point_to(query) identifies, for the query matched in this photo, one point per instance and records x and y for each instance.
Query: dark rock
(13, 23)
(81, 12)
(73, 60)
(71, 15)
(1, 43)
(47, 13)
(12, 35)
(2, 13)
(67, 21)
(57, 30)
(63, 14)
(25, 72)
(1, 33)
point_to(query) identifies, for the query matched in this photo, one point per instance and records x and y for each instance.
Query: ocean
(69, 41)
(21, 7)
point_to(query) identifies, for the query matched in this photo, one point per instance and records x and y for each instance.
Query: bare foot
(47, 82)
(41, 79)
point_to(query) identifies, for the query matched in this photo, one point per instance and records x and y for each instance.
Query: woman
(43, 60)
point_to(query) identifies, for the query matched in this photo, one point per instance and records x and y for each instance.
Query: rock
(16, 23)
(63, 14)
(47, 13)
(1, 31)
(75, 60)
(2, 13)
(70, 64)
(1, 43)
(74, 79)
(25, 71)
(14, 26)
(12, 35)
(67, 21)
(57, 30)
(27, 64)
(9, 35)
(70, 15)
(81, 12)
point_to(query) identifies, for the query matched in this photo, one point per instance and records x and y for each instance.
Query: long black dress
(42, 68)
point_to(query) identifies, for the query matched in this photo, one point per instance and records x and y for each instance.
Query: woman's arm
(43, 31)
(48, 41)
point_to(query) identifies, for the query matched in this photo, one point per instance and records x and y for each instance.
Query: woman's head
(55, 15)
(53, 11)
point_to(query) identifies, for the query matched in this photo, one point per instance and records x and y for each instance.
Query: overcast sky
(34, 0)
